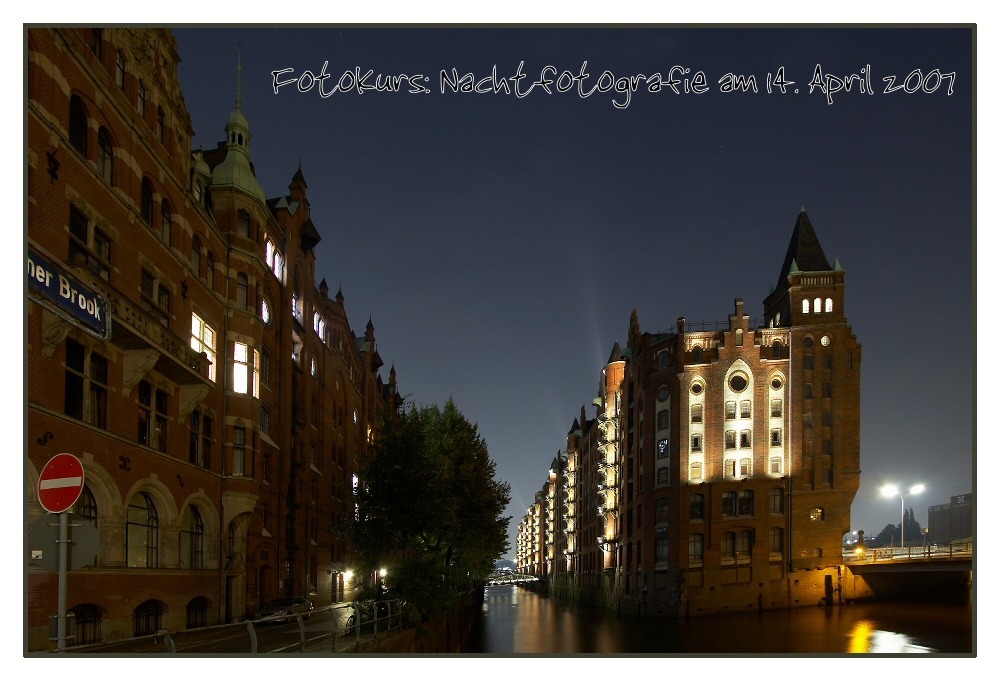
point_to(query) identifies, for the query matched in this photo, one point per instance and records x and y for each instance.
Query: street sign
(60, 483)
(42, 543)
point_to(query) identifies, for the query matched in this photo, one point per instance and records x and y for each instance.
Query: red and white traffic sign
(60, 483)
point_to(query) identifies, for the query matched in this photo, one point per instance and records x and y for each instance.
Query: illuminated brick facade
(720, 469)
(222, 421)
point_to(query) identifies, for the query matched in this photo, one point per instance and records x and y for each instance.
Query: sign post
(59, 486)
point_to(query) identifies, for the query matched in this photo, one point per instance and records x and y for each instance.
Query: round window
(808, 342)
(696, 388)
(663, 394)
(825, 340)
(738, 382)
(776, 383)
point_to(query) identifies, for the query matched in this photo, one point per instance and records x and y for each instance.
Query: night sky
(499, 243)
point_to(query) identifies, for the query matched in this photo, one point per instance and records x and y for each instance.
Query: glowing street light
(893, 491)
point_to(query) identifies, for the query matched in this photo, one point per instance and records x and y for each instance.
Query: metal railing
(871, 555)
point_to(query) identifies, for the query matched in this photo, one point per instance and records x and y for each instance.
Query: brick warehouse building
(221, 411)
(721, 466)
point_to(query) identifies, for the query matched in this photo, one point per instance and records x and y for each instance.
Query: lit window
(695, 470)
(696, 411)
(240, 368)
(662, 449)
(256, 374)
(730, 439)
(312, 367)
(745, 409)
(265, 311)
(817, 305)
(775, 408)
(816, 514)
(829, 305)
(279, 267)
(203, 340)
(729, 468)
(745, 467)
(269, 253)
(805, 306)
(730, 410)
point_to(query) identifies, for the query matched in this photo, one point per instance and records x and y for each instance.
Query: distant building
(952, 521)
(221, 402)
(721, 466)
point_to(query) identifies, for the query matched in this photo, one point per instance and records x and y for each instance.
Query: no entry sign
(60, 483)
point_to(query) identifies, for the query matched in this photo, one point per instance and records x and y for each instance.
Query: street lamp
(893, 491)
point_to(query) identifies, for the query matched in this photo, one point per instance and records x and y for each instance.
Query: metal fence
(869, 555)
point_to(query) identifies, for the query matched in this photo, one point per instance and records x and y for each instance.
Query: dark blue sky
(499, 244)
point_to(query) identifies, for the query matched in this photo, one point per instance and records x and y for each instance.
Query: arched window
(817, 305)
(695, 470)
(196, 255)
(146, 203)
(166, 222)
(776, 542)
(78, 124)
(242, 285)
(776, 349)
(192, 540)
(210, 272)
(697, 354)
(142, 533)
(88, 623)
(805, 306)
(86, 506)
(147, 618)
(696, 550)
(739, 337)
(829, 305)
(197, 612)
(105, 156)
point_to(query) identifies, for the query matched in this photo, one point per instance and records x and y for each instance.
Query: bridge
(508, 577)
(893, 572)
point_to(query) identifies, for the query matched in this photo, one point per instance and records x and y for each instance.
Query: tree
(429, 507)
(890, 533)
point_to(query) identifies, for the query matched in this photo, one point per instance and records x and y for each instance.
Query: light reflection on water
(520, 621)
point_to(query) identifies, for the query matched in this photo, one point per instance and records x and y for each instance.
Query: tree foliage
(429, 506)
(890, 534)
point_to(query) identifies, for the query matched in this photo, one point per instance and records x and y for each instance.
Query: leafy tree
(429, 507)
(890, 533)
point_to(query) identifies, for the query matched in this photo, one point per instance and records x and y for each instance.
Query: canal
(517, 620)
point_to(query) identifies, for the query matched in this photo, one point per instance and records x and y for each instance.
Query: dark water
(515, 620)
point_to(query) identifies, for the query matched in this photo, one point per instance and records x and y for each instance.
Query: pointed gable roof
(804, 251)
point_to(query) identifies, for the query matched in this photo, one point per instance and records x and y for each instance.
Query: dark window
(827, 419)
(827, 476)
(120, 70)
(166, 222)
(243, 223)
(730, 439)
(827, 447)
(738, 382)
(775, 408)
(105, 156)
(663, 475)
(196, 255)
(88, 246)
(155, 298)
(744, 467)
(696, 443)
(697, 507)
(78, 125)
(662, 511)
(662, 550)
(88, 624)
(695, 470)
(808, 364)
(729, 468)
(807, 391)
(776, 437)
(827, 361)
(147, 618)
(192, 540)
(86, 388)
(265, 367)
(197, 613)
(210, 272)
(730, 410)
(663, 419)
(160, 123)
(696, 411)
(146, 204)
(744, 543)
(152, 417)
(696, 550)
(729, 503)
(776, 500)
(201, 440)
(97, 41)
(141, 104)
(745, 502)
(776, 540)
(745, 409)
(142, 532)
(265, 421)
(239, 450)
(696, 354)
(827, 390)
(776, 350)
(744, 438)
(727, 547)
(242, 286)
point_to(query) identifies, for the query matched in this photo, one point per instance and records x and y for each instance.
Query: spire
(340, 296)
(805, 253)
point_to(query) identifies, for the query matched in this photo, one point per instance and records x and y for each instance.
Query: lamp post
(893, 491)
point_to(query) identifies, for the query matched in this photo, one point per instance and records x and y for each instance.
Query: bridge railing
(869, 555)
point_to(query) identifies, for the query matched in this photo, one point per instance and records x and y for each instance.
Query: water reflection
(516, 620)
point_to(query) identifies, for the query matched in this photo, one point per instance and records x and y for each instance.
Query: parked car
(287, 608)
